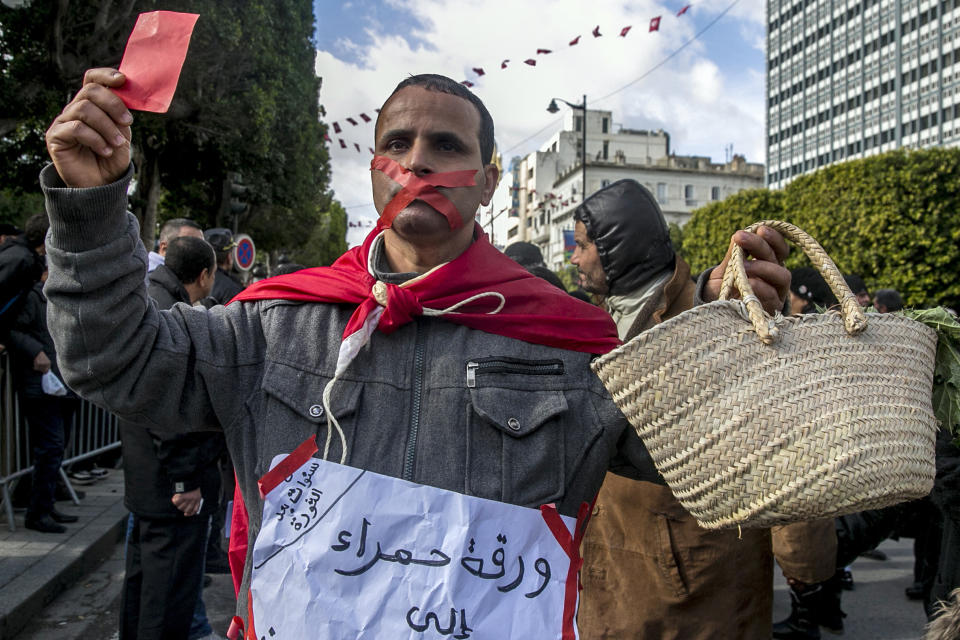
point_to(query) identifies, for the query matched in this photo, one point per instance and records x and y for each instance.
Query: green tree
(327, 240)
(246, 102)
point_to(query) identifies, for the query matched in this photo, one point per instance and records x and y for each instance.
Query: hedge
(893, 218)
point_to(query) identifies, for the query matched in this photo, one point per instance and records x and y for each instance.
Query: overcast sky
(707, 96)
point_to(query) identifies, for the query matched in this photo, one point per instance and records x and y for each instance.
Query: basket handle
(854, 320)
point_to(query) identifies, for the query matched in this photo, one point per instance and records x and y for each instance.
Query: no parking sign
(244, 253)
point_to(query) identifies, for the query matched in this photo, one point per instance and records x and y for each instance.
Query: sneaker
(81, 477)
(44, 524)
(98, 473)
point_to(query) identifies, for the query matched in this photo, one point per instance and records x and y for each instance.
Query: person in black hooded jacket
(683, 581)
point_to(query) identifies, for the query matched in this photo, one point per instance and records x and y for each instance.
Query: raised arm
(183, 369)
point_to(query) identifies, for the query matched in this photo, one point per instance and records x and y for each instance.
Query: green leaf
(946, 372)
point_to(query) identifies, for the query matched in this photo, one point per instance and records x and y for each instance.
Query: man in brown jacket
(649, 570)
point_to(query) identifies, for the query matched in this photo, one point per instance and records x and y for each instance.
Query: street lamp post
(553, 108)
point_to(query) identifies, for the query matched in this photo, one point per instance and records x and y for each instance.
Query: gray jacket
(532, 426)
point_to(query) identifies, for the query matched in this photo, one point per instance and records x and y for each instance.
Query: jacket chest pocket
(293, 408)
(516, 442)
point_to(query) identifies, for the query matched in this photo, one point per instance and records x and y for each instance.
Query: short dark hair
(171, 228)
(35, 230)
(889, 298)
(443, 84)
(526, 254)
(188, 256)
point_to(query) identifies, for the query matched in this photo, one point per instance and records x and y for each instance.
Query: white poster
(345, 553)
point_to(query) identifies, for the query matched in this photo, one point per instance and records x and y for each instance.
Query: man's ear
(491, 177)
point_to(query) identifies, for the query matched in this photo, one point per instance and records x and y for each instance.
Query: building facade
(852, 78)
(548, 184)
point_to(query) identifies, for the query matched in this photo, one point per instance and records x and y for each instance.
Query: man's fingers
(776, 242)
(106, 76)
(756, 246)
(770, 283)
(96, 97)
(66, 135)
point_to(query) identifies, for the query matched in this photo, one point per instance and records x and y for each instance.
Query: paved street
(89, 609)
(876, 609)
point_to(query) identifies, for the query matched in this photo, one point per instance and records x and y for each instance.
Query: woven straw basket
(755, 421)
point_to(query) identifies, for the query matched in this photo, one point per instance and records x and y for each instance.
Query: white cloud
(702, 106)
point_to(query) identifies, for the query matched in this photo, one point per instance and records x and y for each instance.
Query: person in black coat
(225, 286)
(48, 416)
(171, 485)
(21, 265)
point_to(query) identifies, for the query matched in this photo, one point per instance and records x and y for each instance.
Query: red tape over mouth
(417, 188)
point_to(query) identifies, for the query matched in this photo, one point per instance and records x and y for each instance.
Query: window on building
(714, 193)
(688, 195)
(605, 125)
(604, 183)
(530, 172)
(512, 232)
(529, 197)
(606, 149)
(662, 192)
(577, 122)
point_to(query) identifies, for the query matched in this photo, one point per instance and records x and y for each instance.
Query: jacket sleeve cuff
(183, 485)
(83, 219)
(701, 285)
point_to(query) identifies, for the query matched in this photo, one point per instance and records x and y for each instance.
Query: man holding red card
(423, 354)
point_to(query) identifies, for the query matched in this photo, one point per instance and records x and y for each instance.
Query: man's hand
(89, 142)
(768, 277)
(189, 503)
(41, 362)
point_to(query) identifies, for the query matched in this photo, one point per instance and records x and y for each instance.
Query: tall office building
(852, 78)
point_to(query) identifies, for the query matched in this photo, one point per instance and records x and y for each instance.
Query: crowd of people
(353, 350)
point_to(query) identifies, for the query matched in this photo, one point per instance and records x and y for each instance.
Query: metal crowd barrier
(92, 431)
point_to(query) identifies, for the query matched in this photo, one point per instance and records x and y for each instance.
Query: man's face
(587, 260)
(431, 132)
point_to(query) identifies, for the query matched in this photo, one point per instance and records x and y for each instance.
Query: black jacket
(157, 465)
(225, 287)
(631, 235)
(20, 268)
(165, 288)
(29, 336)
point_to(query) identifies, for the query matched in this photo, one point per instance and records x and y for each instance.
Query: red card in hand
(153, 58)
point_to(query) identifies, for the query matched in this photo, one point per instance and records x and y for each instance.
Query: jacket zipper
(509, 365)
(416, 399)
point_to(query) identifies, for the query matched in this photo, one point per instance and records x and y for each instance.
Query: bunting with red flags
(624, 31)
